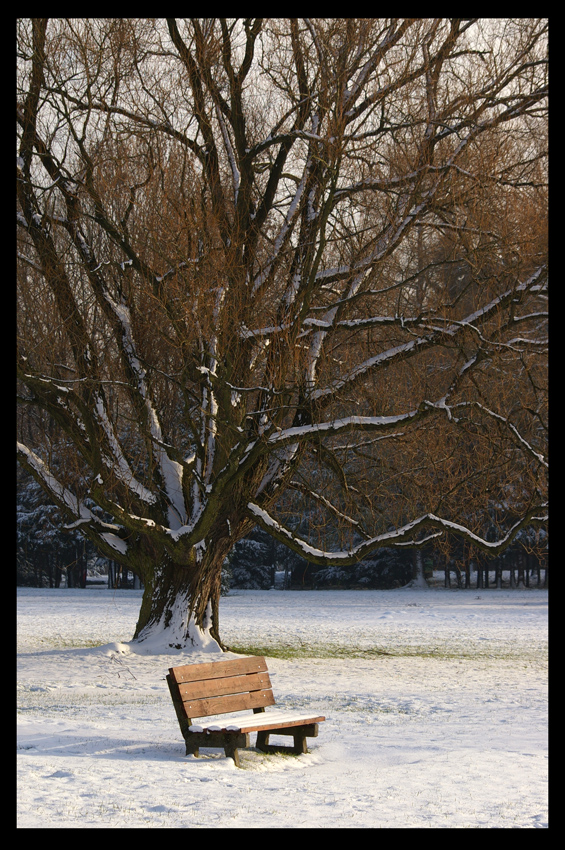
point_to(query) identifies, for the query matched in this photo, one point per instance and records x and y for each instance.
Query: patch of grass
(292, 651)
(60, 642)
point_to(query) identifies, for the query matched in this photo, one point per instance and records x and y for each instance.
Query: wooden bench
(223, 687)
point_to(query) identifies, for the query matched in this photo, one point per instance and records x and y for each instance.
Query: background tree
(44, 553)
(281, 269)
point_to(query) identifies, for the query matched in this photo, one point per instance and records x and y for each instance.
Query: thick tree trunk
(180, 606)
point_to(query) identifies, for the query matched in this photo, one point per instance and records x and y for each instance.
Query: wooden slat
(218, 669)
(224, 704)
(218, 687)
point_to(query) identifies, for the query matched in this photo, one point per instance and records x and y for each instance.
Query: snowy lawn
(436, 707)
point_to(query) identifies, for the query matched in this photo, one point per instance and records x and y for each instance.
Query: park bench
(239, 685)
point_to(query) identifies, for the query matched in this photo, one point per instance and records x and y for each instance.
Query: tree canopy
(270, 268)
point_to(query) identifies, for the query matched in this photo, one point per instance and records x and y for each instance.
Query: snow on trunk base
(180, 633)
(162, 642)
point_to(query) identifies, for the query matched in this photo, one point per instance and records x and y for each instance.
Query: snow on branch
(404, 536)
(452, 330)
(171, 471)
(118, 463)
(348, 423)
(69, 503)
(512, 428)
(283, 234)
(60, 494)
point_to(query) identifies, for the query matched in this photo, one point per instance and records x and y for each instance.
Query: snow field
(448, 730)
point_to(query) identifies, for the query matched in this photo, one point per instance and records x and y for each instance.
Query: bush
(387, 568)
(249, 565)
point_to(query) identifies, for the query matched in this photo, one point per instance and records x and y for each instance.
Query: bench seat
(257, 722)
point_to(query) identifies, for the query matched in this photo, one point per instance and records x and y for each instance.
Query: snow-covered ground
(448, 729)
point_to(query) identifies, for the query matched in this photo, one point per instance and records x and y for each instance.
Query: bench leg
(298, 749)
(192, 750)
(231, 751)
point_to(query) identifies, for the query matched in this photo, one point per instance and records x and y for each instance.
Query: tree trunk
(418, 577)
(180, 605)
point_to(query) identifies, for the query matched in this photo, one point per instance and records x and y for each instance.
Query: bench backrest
(223, 686)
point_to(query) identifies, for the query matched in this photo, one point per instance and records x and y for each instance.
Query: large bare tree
(278, 269)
